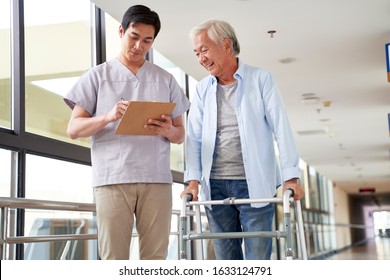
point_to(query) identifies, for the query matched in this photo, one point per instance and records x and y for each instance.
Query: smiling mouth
(208, 66)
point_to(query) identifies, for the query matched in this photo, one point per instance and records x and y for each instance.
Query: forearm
(177, 135)
(82, 127)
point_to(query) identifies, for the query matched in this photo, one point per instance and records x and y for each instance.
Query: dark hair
(141, 14)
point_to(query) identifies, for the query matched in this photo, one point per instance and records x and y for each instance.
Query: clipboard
(138, 113)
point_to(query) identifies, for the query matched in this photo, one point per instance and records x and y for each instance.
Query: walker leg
(183, 231)
(287, 223)
(199, 243)
(300, 230)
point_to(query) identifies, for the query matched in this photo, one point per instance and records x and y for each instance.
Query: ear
(121, 31)
(227, 44)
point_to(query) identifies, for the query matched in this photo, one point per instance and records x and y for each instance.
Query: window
(57, 52)
(5, 65)
(313, 189)
(177, 151)
(51, 179)
(382, 223)
(56, 180)
(113, 42)
(324, 193)
(5, 172)
(191, 86)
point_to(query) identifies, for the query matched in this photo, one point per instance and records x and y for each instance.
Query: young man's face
(136, 41)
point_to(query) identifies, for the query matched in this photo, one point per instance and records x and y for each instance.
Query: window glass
(323, 192)
(5, 173)
(56, 180)
(51, 179)
(327, 229)
(60, 223)
(304, 181)
(313, 189)
(58, 51)
(113, 42)
(177, 151)
(165, 63)
(5, 65)
(382, 223)
(191, 86)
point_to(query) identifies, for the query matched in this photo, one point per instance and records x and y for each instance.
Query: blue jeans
(239, 218)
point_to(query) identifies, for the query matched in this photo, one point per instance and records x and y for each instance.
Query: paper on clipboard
(138, 113)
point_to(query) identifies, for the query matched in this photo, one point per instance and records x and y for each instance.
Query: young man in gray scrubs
(131, 174)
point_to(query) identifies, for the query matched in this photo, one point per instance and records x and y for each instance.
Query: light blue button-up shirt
(261, 120)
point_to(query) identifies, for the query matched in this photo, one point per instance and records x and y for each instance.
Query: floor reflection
(375, 249)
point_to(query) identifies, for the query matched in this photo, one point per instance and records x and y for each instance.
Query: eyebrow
(136, 34)
(200, 48)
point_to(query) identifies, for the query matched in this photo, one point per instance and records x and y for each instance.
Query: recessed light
(311, 100)
(287, 60)
(307, 94)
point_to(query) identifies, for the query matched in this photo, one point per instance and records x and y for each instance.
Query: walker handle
(292, 192)
(185, 198)
(188, 196)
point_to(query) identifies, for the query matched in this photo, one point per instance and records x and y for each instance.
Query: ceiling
(335, 54)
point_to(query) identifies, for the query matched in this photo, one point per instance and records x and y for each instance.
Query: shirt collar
(239, 74)
(240, 71)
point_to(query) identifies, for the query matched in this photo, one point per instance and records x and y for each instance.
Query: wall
(341, 216)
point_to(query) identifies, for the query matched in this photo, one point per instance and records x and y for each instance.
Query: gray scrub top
(118, 159)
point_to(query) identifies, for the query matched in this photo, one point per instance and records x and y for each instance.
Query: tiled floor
(375, 249)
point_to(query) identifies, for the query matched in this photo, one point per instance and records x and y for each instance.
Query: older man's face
(210, 55)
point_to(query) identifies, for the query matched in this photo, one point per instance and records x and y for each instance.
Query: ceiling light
(310, 100)
(287, 60)
(333, 133)
(311, 132)
(308, 94)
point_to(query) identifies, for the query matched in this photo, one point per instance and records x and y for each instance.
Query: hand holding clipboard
(138, 113)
